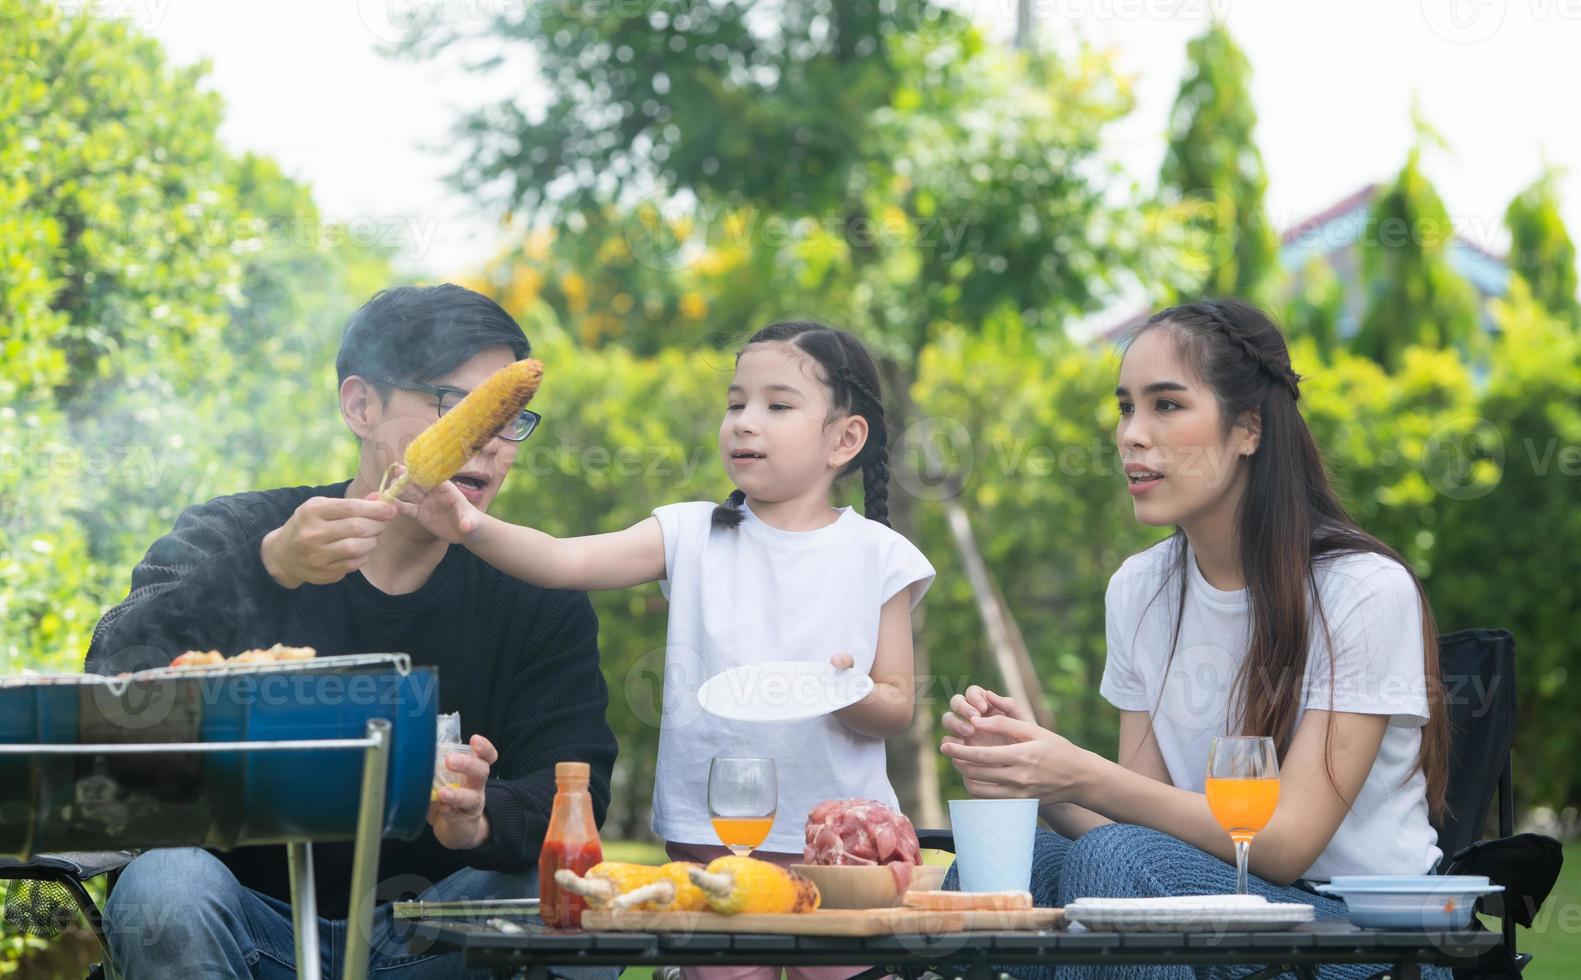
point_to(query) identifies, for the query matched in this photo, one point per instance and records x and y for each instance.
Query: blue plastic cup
(993, 843)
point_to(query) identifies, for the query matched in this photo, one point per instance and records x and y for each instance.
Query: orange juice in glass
(1243, 791)
(743, 796)
(742, 832)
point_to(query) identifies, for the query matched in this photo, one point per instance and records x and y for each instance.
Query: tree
(925, 177)
(1412, 296)
(1505, 486)
(1541, 251)
(1316, 307)
(169, 314)
(1212, 180)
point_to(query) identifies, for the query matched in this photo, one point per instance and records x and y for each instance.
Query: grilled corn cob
(735, 885)
(440, 450)
(688, 897)
(618, 886)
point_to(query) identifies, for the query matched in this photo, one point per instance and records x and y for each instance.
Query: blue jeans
(1125, 861)
(180, 912)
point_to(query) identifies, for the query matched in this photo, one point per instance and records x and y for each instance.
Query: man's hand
(443, 511)
(457, 816)
(326, 539)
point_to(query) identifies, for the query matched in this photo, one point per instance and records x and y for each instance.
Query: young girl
(774, 573)
(1268, 612)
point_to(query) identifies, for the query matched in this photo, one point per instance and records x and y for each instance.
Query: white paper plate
(1187, 913)
(783, 690)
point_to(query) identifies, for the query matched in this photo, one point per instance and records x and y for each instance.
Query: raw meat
(861, 832)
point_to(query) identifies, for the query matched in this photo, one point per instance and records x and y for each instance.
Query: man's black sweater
(520, 664)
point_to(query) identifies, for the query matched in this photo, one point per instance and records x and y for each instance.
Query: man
(334, 568)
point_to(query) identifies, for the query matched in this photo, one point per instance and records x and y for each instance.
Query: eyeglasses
(446, 398)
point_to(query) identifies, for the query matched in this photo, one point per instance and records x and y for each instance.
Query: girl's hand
(1009, 758)
(443, 511)
(842, 661)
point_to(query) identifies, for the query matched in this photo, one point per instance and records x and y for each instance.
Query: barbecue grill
(222, 757)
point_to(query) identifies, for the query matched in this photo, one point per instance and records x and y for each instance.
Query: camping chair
(1478, 671)
(43, 896)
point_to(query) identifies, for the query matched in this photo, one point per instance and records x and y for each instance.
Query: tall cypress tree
(1413, 296)
(1213, 175)
(1541, 251)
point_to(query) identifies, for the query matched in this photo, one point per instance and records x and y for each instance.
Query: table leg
(1406, 970)
(365, 852)
(304, 908)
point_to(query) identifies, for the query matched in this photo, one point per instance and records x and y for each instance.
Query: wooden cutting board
(829, 922)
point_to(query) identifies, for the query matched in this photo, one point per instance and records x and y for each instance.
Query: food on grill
(440, 450)
(736, 885)
(968, 901)
(198, 658)
(862, 832)
(277, 654)
(619, 886)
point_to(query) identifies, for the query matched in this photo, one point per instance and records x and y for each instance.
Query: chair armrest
(938, 840)
(81, 865)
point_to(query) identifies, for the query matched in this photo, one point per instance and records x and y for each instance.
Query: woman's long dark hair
(851, 376)
(1289, 519)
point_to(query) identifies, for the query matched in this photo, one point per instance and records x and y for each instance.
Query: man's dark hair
(418, 333)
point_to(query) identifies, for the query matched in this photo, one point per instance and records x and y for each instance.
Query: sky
(1333, 83)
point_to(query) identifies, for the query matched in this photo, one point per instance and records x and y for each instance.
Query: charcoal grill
(223, 757)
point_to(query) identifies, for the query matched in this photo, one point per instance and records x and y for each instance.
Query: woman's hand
(457, 816)
(443, 511)
(1003, 757)
(975, 704)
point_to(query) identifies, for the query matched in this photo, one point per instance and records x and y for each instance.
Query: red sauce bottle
(570, 842)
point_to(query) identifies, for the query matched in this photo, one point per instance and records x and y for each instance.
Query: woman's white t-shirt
(1375, 617)
(755, 594)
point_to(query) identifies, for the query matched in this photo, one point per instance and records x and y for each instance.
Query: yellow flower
(693, 306)
(575, 289)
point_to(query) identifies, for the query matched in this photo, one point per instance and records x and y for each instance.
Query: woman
(1268, 612)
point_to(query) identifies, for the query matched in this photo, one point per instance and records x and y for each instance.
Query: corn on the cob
(736, 885)
(688, 897)
(619, 886)
(440, 450)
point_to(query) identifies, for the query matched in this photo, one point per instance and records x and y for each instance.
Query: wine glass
(743, 795)
(1243, 790)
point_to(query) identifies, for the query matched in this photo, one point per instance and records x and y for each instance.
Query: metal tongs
(466, 910)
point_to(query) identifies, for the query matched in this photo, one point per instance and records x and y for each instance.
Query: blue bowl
(1426, 903)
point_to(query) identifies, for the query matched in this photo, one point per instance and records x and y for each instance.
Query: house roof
(1324, 232)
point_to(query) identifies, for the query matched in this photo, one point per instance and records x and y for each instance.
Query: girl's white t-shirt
(755, 594)
(1375, 617)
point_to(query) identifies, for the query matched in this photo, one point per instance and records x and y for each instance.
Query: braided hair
(851, 376)
(1244, 329)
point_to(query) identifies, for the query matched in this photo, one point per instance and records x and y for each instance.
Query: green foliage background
(169, 314)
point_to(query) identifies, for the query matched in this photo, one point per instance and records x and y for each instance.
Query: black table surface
(1328, 941)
